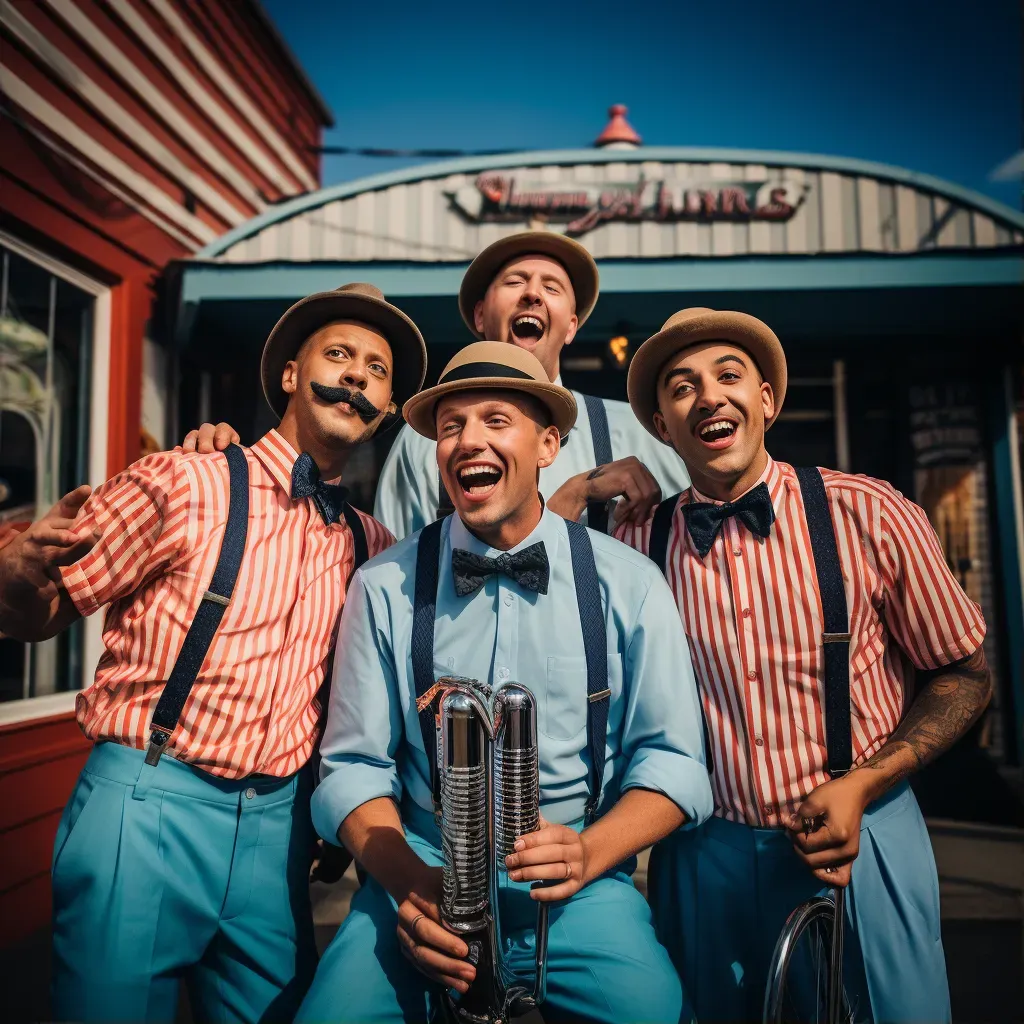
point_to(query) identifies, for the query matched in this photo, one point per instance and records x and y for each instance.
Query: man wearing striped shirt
(738, 554)
(184, 851)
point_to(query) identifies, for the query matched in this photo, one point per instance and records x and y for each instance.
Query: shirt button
(769, 809)
(751, 675)
(759, 741)
(737, 552)
(503, 673)
(746, 613)
(509, 598)
(250, 793)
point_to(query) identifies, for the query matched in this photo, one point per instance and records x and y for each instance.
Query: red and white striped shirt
(752, 612)
(253, 707)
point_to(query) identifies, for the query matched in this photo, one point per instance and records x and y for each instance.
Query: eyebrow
(686, 371)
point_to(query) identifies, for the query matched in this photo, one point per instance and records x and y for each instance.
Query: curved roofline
(666, 154)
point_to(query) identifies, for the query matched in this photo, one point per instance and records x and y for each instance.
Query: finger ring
(568, 869)
(415, 921)
(829, 871)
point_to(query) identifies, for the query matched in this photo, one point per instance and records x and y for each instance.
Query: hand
(628, 479)
(209, 438)
(30, 563)
(554, 853)
(433, 949)
(825, 829)
(330, 862)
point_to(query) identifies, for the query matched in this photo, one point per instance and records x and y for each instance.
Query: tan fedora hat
(492, 365)
(362, 302)
(578, 263)
(691, 327)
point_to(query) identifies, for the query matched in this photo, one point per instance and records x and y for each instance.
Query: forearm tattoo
(948, 703)
(595, 473)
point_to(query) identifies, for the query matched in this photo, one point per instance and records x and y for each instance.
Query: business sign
(501, 197)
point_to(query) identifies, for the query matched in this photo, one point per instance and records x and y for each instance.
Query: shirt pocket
(868, 650)
(564, 712)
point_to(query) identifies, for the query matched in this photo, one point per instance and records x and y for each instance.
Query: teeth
(721, 428)
(529, 320)
(477, 471)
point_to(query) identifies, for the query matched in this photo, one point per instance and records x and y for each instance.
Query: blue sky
(931, 86)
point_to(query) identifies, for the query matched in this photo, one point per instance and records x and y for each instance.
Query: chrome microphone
(489, 796)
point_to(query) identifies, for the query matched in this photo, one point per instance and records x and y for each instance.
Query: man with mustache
(534, 290)
(184, 850)
(828, 634)
(505, 590)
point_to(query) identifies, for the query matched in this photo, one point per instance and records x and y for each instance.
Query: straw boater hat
(362, 302)
(578, 263)
(691, 327)
(492, 365)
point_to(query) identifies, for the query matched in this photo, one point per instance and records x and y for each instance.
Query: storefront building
(898, 297)
(132, 134)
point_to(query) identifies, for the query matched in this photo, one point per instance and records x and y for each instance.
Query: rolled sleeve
(134, 514)
(364, 725)
(663, 736)
(926, 610)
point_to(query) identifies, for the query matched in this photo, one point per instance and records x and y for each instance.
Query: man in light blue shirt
(534, 290)
(512, 603)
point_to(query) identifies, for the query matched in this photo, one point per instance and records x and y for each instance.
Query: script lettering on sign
(501, 197)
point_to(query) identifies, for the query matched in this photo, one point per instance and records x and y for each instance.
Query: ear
(391, 408)
(290, 377)
(661, 427)
(767, 400)
(574, 326)
(550, 445)
(478, 317)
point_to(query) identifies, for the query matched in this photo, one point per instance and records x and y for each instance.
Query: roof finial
(618, 133)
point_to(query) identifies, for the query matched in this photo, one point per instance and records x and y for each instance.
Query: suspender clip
(593, 698)
(209, 595)
(836, 638)
(158, 740)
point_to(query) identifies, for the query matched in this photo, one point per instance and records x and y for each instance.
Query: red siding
(49, 202)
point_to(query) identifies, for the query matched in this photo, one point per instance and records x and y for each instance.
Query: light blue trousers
(721, 895)
(604, 962)
(167, 873)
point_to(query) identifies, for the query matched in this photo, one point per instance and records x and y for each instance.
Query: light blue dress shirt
(407, 489)
(373, 747)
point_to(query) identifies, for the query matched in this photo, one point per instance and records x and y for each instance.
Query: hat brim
(578, 263)
(308, 315)
(419, 411)
(741, 329)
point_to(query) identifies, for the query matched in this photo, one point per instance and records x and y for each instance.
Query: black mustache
(365, 409)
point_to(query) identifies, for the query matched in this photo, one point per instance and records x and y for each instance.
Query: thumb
(70, 505)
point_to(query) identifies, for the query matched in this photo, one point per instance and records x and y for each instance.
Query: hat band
(469, 371)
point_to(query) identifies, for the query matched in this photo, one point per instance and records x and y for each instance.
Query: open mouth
(478, 480)
(527, 327)
(717, 433)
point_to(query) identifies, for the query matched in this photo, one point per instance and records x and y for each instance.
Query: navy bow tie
(306, 483)
(529, 568)
(704, 519)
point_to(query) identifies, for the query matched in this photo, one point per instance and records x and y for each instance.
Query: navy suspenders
(595, 645)
(210, 612)
(835, 635)
(597, 511)
(216, 599)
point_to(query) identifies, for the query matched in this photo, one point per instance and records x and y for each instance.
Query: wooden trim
(130, 302)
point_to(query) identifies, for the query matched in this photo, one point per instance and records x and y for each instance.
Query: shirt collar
(772, 476)
(278, 457)
(545, 531)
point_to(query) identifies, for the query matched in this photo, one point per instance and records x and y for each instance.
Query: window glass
(45, 361)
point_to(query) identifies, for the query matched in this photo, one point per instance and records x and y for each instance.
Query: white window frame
(49, 705)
